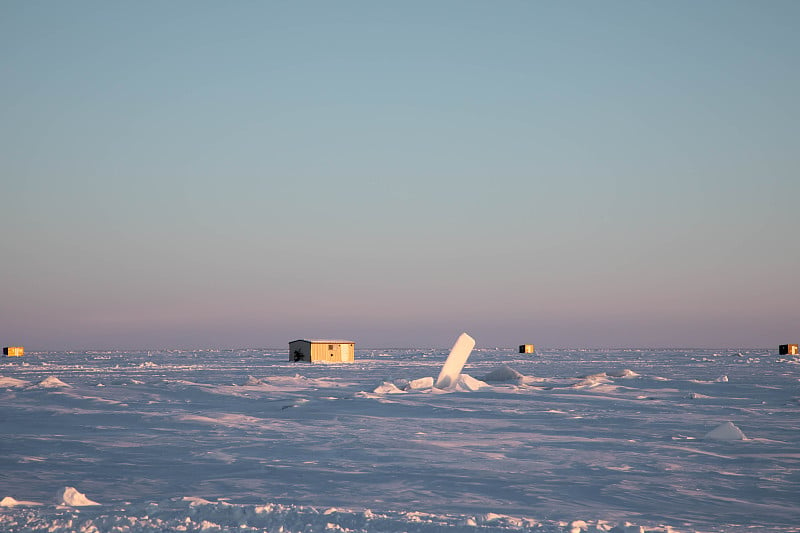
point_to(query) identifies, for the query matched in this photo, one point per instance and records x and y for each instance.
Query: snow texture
(243, 440)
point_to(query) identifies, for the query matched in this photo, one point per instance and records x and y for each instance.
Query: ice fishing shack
(787, 349)
(13, 351)
(328, 350)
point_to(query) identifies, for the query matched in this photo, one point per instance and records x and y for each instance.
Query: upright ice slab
(455, 361)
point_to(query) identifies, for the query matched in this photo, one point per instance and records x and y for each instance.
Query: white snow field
(244, 440)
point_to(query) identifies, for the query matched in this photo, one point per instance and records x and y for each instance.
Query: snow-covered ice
(243, 440)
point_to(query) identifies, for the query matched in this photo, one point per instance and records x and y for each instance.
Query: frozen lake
(244, 440)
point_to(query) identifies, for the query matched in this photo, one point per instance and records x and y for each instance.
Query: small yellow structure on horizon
(787, 349)
(327, 350)
(14, 351)
(526, 348)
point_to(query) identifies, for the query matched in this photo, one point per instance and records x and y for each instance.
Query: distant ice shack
(328, 350)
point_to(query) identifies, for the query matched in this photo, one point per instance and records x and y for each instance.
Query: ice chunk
(592, 380)
(421, 383)
(387, 388)
(468, 383)
(70, 496)
(726, 431)
(454, 363)
(399, 386)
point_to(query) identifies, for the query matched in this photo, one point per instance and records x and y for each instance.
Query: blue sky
(226, 174)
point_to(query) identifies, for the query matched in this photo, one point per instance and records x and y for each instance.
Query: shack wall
(332, 352)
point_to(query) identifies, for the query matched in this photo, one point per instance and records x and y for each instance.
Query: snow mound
(299, 382)
(252, 382)
(71, 497)
(13, 383)
(504, 374)
(726, 431)
(8, 501)
(592, 381)
(624, 373)
(52, 382)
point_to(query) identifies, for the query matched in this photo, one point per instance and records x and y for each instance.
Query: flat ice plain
(244, 440)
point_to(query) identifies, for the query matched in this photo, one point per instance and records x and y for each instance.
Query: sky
(196, 174)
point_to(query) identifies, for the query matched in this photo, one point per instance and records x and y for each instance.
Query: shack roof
(324, 341)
